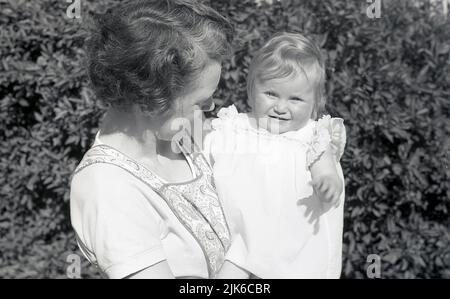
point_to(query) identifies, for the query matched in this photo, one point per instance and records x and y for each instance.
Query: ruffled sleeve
(217, 140)
(224, 115)
(328, 131)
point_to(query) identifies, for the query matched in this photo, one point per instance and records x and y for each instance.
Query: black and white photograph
(224, 140)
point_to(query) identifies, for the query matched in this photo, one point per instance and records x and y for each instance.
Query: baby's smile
(279, 117)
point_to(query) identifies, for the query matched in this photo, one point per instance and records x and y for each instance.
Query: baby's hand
(329, 187)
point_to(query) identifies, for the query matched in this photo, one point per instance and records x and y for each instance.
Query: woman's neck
(134, 135)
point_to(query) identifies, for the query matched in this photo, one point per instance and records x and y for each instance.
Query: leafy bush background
(387, 77)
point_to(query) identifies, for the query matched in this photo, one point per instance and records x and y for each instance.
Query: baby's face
(283, 105)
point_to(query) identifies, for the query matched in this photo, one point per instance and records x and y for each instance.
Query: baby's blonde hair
(287, 54)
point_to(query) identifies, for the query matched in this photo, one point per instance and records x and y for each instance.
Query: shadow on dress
(314, 208)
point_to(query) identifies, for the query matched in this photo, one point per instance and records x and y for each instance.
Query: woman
(139, 208)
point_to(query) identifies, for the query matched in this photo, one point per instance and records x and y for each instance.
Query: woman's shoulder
(100, 181)
(98, 174)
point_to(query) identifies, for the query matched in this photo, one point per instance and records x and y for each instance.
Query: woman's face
(189, 105)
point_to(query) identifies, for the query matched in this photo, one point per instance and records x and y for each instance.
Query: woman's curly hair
(146, 51)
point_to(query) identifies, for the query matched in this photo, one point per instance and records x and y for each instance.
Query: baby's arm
(325, 178)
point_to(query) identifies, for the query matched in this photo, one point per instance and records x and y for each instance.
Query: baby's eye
(297, 99)
(270, 93)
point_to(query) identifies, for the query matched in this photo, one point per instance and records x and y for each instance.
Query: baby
(277, 168)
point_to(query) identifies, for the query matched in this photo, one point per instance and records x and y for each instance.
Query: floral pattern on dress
(194, 203)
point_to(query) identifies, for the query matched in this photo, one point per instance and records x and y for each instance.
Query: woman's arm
(160, 270)
(116, 223)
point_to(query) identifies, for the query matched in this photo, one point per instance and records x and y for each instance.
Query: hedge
(387, 77)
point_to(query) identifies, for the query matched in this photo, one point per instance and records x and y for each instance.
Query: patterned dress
(194, 203)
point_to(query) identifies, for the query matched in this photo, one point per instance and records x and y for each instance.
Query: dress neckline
(294, 136)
